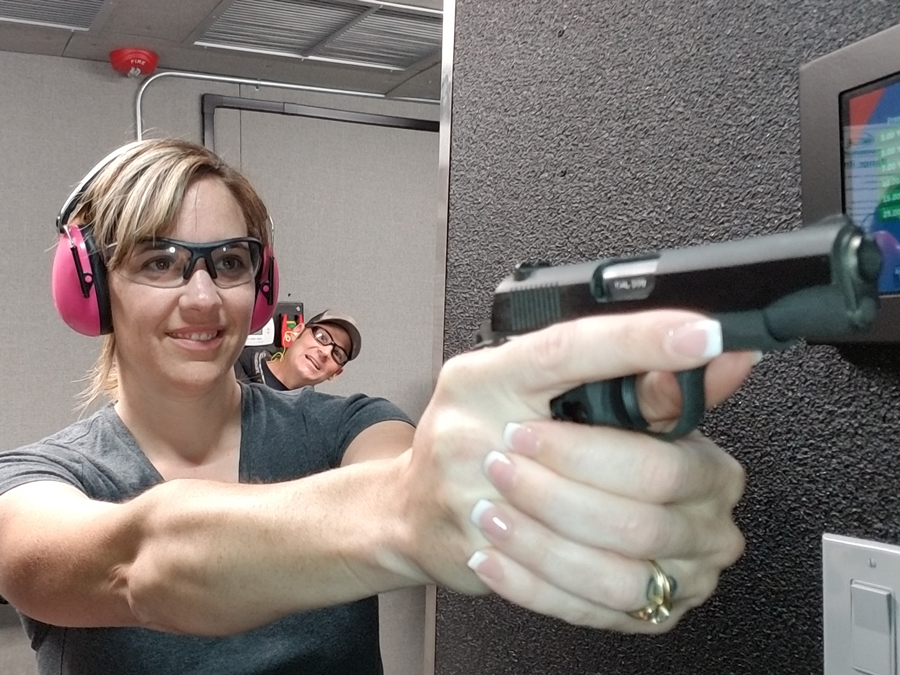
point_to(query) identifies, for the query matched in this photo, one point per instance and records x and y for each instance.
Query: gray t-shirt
(284, 435)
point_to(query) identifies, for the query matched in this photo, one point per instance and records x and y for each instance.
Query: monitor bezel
(822, 82)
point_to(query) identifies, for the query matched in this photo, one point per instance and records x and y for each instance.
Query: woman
(196, 524)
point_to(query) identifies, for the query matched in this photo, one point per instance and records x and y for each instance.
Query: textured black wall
(589, 129)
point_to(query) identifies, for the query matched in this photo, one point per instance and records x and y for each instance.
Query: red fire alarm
(133, 62)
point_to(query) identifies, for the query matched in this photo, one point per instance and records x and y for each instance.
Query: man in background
(316, 352)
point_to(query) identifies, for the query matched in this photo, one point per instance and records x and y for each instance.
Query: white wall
(367, 250)
(58, 117)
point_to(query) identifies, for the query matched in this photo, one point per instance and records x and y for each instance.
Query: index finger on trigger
(557, 358)
(660, 396)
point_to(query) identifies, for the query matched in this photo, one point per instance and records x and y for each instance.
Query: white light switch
(872, 628)
(860, 586)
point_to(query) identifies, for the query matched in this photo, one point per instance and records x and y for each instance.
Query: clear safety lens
(169, 263)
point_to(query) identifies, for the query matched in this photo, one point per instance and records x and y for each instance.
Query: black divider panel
(586, 129)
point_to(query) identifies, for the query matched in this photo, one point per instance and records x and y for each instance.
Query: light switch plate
(860, 586)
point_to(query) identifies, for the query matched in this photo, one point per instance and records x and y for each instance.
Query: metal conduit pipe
(139, 121)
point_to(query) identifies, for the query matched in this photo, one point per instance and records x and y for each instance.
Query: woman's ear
(334, 377)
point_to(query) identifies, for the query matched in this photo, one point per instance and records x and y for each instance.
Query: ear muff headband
(78, 277)
(69, 206)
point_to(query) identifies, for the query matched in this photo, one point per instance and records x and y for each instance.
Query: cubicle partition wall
(586, 129)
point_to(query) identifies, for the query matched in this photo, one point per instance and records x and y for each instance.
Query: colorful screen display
(870, 143)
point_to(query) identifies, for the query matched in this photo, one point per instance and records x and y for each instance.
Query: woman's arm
(560, 518)
(197, 556)
(384, 440)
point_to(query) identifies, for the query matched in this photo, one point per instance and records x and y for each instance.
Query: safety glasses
(323, 337)
(169, 263)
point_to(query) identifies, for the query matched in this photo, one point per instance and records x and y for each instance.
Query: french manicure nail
(475, 561)
(486, 517)
(520, 439)
(700, 338)
(499, 470)
(478, 510)
(486, 568)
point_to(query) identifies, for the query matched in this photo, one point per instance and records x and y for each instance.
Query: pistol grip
(614, 403)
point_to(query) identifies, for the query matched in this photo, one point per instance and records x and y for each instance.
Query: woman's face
(312, 361)
(186, 338)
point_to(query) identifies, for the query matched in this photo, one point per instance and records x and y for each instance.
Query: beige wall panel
(58, 117)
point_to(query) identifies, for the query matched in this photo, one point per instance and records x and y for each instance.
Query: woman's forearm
(270, 550)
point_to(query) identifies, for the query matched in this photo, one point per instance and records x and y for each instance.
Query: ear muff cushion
(76, 260)
(266, 293)
(77, 263)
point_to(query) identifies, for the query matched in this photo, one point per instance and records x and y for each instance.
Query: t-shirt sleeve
(95, 455)
(358, 413)
(38, 462)
(246, 368)
(290, 434)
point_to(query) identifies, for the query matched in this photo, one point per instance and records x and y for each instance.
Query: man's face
(312, 353)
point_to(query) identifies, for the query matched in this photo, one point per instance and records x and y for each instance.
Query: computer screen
(870, 142)
(850, 154)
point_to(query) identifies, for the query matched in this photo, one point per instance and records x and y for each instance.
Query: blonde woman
(197, 524)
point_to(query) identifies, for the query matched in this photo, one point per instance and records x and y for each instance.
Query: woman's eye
(232, 263)
(156, 265)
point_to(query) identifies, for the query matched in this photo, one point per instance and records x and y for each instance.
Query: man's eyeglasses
(169, 263)
(323, 337)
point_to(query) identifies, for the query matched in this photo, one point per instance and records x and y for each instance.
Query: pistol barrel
(816, 282)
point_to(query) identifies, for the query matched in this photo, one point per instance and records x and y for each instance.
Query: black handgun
(817, 283)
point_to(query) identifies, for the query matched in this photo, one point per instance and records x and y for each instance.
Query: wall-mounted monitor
(850, 153)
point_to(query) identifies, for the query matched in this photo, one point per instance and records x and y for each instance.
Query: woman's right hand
(563, 518)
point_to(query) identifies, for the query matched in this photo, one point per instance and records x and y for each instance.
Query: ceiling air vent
(386, 36)
(70, 14)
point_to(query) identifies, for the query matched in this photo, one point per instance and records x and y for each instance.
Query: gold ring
(659, 595)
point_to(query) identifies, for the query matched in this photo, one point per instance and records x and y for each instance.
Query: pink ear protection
(78, 277)
(266, 290)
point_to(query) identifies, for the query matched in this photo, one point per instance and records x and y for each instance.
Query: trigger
(693, 403)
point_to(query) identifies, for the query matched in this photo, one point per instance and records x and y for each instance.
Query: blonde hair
(137, 196)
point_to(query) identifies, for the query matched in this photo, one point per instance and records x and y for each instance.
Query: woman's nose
(200, 285)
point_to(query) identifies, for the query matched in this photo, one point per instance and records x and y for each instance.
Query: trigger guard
(693, 404)
(615, 403)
